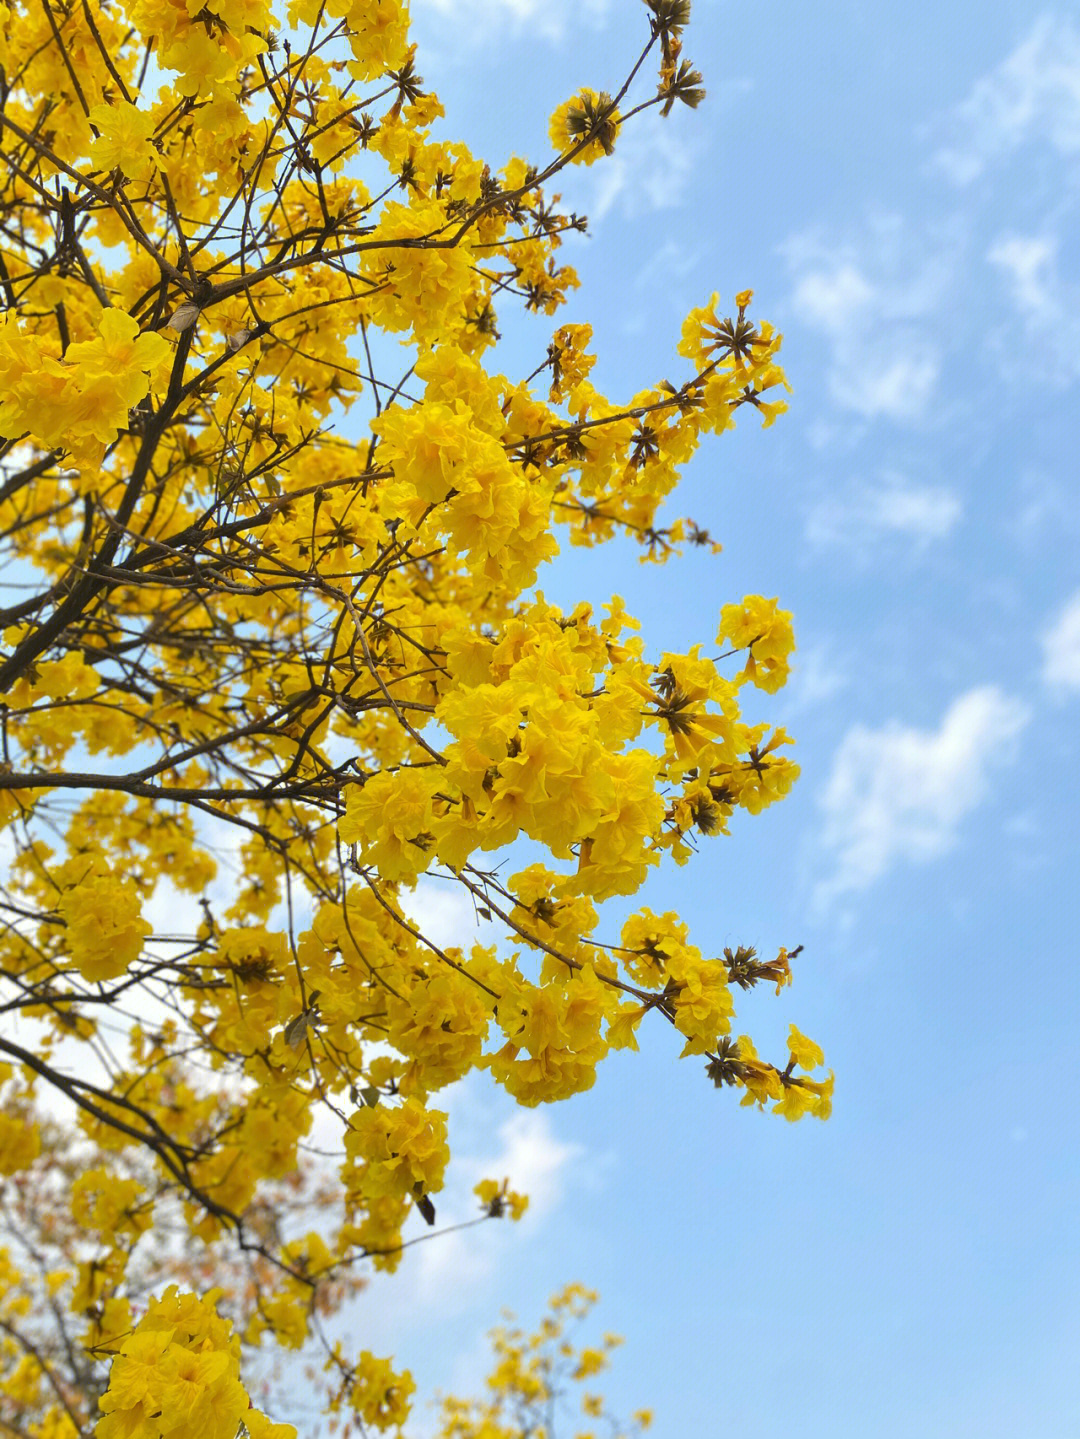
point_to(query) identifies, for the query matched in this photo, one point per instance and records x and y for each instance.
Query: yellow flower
(770, 409)
(109, 1203)
(422, 289)
(378, 35)
(590, 1361)
(390, 820)
(569, 362)
(260, 1427)
(805, 1096)
(178, 1374)
(440, 1024)
(105, 929)
(379, 1394)
(805, 1052)
(585, 114)
(702, 1003)
(20, 1144)
(495, 1197)
(620, 1032)
(111, 371)
(88, 395)
(123, 139)
(391, 1150)
(757, 625)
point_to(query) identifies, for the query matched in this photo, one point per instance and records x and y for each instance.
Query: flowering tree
(274, 653)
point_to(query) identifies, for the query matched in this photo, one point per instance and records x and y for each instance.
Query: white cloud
(899, 793)
(655, 161)
(876, 301)
(446, 914)
(494, 1138)
(891, 508)
(1047, 305)
(1034, 94)
(815, 678)
(450, 1269)
(653, 164)
(529, 1154)
(1061, 649)
(1028, 262)
(671, 260)
(533, 1158)
(898, 386)
(836, 300)
(1046, 505)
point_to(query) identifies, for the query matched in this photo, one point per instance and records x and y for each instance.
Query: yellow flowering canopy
(274, 654)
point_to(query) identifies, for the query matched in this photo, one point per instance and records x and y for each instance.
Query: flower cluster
(177, 1374)
(270, 664)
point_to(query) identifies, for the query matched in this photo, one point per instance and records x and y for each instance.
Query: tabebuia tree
(276, 653)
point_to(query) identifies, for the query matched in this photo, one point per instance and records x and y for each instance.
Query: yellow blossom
(586, 114)
(123, 136)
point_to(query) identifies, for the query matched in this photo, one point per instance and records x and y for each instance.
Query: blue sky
(900, 185)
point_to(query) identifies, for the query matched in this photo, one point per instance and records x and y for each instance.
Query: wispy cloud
(815, 678)
(900, 794)
(655, 161)
(1061, 649)
(1045, 504)
(671, 260)
(1047, 305)
(459, 1268)
(1034, 94)
(1029, 262)
(446, 914)
(890, 508)
(874, 300)
(653, 164)
(526, 1151)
